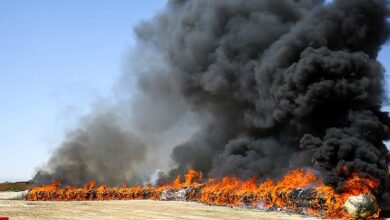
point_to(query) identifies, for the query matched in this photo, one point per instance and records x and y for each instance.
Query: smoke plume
(245, 88)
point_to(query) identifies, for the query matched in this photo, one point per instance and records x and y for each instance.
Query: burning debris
(175, 194)
(299, 191)
(271, 86)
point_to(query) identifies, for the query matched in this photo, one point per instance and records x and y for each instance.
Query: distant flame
(227, 191)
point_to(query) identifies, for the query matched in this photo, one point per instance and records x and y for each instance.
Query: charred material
(306, 198)
(175, 195)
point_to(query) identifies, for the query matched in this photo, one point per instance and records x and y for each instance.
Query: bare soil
(135, 209)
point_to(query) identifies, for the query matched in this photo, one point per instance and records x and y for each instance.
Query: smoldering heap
(269, 85)
(299, 191)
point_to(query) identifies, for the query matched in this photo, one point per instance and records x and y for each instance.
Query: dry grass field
(145, 209)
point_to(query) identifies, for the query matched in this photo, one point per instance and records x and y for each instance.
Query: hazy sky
(56, 57)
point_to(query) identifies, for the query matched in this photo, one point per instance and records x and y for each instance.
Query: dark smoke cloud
(247, 88)
(213, 49)
(284, 83)
(98, 150)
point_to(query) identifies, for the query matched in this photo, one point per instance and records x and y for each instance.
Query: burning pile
(300, 191)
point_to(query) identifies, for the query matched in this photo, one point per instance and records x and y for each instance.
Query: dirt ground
(144, 209)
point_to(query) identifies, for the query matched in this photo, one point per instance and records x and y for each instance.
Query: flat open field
(144, 209)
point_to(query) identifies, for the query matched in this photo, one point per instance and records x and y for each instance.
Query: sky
(56, 59)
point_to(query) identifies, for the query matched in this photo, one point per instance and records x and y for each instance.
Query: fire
(298, 191)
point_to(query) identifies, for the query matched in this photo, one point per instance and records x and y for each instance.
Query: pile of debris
(299, 191)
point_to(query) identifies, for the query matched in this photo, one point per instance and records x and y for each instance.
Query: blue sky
(56, 57)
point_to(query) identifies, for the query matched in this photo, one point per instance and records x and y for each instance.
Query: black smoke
(266, 85)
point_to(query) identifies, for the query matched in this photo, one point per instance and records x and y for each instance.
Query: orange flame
(229, 191)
